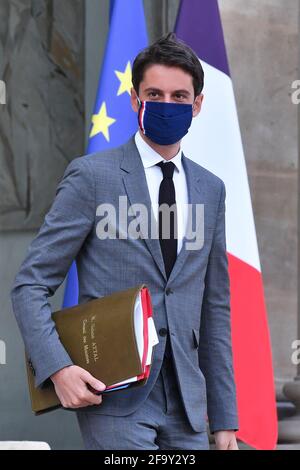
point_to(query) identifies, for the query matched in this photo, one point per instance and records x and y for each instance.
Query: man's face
(168, 84)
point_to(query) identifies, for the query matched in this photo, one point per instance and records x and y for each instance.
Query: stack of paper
(145, 336)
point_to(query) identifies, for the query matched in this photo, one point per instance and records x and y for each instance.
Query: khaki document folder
(111, 337)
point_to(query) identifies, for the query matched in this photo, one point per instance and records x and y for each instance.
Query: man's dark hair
(172, 52)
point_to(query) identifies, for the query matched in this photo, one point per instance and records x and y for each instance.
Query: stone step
(23, 445)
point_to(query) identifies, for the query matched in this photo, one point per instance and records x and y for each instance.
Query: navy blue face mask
(164, 123)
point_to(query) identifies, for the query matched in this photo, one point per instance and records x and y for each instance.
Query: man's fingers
(85, 399)
(233, 445)
(222, 447)
(227, 445)
(75, 388)
(94, 383)
(93, 399)
(222, 444)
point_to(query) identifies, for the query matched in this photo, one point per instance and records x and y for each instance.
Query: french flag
(214, 141)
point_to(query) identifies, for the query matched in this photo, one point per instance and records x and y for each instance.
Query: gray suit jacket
(193, 304)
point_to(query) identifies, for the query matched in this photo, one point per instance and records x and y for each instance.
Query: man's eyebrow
(153, 89)
(186, 92)
(183, 91)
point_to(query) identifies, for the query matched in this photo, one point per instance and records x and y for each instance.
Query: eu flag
(113, 121)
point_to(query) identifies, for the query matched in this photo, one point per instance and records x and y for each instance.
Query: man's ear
(197, 104)
(133, 100)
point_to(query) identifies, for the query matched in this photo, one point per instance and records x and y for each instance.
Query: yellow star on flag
(125, 79)
(102, 122)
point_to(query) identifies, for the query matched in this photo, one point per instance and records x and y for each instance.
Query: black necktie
(168, 219)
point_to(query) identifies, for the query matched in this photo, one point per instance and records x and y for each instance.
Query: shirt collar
(150, 157)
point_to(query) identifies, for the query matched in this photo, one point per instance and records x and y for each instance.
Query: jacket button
(169, 291)
(163, 332)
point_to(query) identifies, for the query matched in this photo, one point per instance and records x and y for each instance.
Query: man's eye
(152, 94)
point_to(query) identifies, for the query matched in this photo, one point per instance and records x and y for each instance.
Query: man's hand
(225, 440)
(71, 387)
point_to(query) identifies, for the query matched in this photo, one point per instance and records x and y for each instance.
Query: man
(192, 374)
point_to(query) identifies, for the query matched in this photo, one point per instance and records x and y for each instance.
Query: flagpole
(165, 16)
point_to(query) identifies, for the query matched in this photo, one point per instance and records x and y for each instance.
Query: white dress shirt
(154, 176)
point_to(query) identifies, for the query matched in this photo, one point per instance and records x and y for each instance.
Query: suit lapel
(136, 186)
